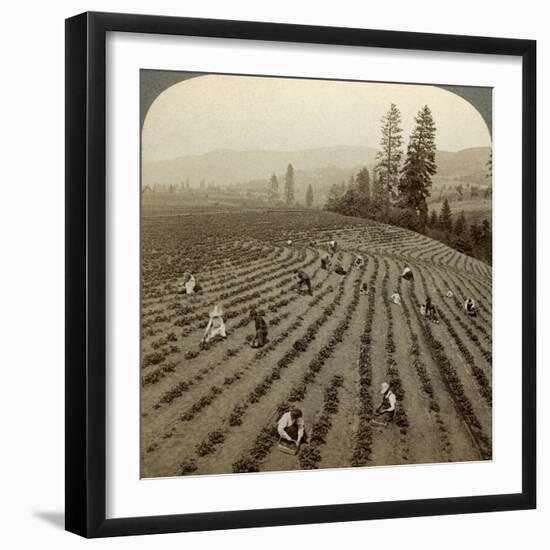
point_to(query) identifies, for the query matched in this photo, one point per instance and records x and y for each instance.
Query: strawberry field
(209, 409)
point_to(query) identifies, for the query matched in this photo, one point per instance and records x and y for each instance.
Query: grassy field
(210, 411)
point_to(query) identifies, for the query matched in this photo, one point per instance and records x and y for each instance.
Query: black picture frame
(86, 268)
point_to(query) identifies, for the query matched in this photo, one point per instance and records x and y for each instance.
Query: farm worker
(430, 310)
(364, 288)
(183, 282)
(339, 269)
(449, 294)
(215, 326)
(470, 307)
(332, 247)
(289, 242)
(303, 279)
(260, 325)
(407, 274)
(188, 284)
(359, 260)
(389, 401)
(395, 298)
(325, 262)
(291, 427)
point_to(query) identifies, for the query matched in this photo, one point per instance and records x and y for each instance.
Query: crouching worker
(386, 410)
(339, 269)
(188, 284)
(407, 274)
(470, 307)
(430, 311)
(291, 429)
(364, 288)
(303, 279)
(359, 260)
(325, 262)
(396, 298)
(260, 338)
(216, 326)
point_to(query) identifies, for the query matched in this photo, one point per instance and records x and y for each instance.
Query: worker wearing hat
(386, 410)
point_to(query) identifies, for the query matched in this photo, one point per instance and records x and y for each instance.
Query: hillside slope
(213, 409)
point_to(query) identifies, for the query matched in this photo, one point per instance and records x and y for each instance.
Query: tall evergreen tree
(445, 219)
(460, 224)
(388, 158)
(434, 221)
(363, 183)
(289, 185)
(273, 188)
(309, 196)
(333, 197)
(419, 167)
(378, 194)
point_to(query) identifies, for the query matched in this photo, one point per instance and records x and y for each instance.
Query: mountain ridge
(226, 166)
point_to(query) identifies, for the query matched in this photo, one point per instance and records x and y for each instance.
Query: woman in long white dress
(190, 284)
(216, 326)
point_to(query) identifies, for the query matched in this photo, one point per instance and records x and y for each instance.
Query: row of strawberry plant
(484, 384)
(240, 266)
(423, 375)
(273, 308)
(251, 283)
(232, 284)
(215, 391)
(154, 279)
(159, 355)
(299, 347)
(363, 438)
(310, 455)
(257, 284)
(454, 385)
(182, 387)
(478, 324)
(465, 327)
(392, 370)
(268, 435)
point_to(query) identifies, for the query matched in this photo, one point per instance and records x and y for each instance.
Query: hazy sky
(250, 113)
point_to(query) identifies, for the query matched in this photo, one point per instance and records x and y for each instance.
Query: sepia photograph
(316, 274)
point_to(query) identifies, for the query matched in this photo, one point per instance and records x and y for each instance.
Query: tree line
(288, 192)
(397, 190)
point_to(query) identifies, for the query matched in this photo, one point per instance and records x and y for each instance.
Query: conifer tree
(460, 224)
(289, 185)
(419, 166)
(309, 196)
(445, 220)
(434, 221)
(363, 183)
(388, 158)
(378, 194)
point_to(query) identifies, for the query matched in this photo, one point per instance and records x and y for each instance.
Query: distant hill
(462, 162)
(224, 166)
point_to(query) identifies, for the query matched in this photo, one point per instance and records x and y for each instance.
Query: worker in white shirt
(386, 410)
(291, 427)
(396, 298)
